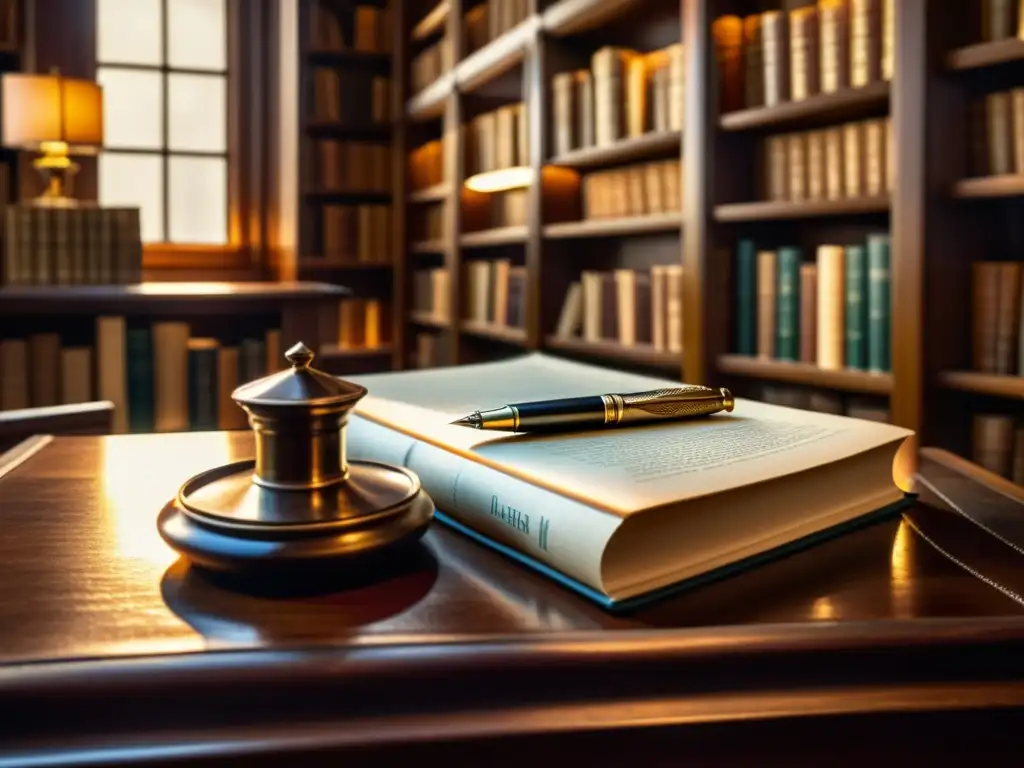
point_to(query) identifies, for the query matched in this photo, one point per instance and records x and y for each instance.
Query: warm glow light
(49, 108)
(901, 572)
(823, 609)
(501, 179)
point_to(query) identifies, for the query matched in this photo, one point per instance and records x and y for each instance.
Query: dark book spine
(609, 307)
(787, 307)
(141, 403)
(251, 360)
(878, 303)
(856, 307)
(642, 307)
(746, 298)
(202, 389)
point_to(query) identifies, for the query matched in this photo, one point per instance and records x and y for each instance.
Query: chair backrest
(96, 418)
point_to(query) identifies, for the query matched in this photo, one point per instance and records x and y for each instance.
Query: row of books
(496, 293)
(428, 351)
(997, 134)
(1001, 19)
(426, 165)
(633, 190)
(491, 19)
(845, 161)
(341, 27)
(158, 376)
(497, 139)
(497, 209)
(834, 312)
(359, 234)
(363, 323)
(997, 444)
(996, 317)
(624, 94)
(351, 166)
(429, 64)
(85, 245)
(350, 98)
(431, 293)
(627, 307)
(777, 56)
(854, 406)
(428, 222)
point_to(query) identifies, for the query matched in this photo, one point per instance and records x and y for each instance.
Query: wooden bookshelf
(432, 22)
(846, 380)
(988, 54)
(769, 210)
(639, 148)
(433, 194)
(643, 355)
(991, 384)
(493, 237)
(847, 104)
(429, 246)
(428, 321)
(502, 333)
(633, 225)
(990, 186)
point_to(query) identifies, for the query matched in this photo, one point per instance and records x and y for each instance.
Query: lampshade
(51, 108)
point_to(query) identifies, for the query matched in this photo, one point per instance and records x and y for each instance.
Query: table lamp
(57, 117)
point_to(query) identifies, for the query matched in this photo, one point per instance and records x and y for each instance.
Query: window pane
(198, 114)
(198, 200)
(197, 37)
(128, 31)
(135, 180)
(132, 108)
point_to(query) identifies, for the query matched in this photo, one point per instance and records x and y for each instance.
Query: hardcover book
(626, 514)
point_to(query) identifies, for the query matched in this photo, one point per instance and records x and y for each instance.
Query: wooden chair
(96, 418)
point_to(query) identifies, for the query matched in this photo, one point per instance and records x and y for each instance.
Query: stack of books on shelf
(350, 98)
(997, 444)
(624, 94)
(1001, 19)
(626, 307)
(158, 377)
(355, 234)
(429, 64)
(833, 313)
(86, 245)
(633, 190)
(825, 402)
(997, 134)
(497, 139)
(847, 161)
(496, 293)
(426, 165)
(428, 224)
(491, 19)
(348, 26)
(773, 57)
(996, 318)
(363, 324)
(351, 166)
(431, 300)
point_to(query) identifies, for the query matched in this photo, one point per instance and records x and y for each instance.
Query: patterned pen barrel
(599, 411)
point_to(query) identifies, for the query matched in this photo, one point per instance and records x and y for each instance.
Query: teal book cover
(140, 375)
(879, 307)
(856, 307)
(787, 307)
(746, 298)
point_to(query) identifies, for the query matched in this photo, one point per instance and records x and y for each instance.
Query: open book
(625, 513)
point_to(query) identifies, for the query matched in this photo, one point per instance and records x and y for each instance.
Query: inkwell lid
(299, 386)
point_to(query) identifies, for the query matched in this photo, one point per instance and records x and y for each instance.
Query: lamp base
(57, 170)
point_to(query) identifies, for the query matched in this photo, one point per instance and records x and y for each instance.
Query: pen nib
(473, 420)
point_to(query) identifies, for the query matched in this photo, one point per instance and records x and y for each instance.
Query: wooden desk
(872, 645)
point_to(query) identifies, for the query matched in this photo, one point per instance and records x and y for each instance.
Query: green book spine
(856, 307)
(141, 402)
(202, 388)
(746, 298)
(787, 307)
(879, 305)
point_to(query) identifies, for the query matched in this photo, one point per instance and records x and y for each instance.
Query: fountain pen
(597, 411)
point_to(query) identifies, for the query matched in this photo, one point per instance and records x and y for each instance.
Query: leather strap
(978, 525)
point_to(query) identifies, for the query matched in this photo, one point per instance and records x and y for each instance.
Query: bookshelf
(940, 214)
(351, 153)
(12, 42)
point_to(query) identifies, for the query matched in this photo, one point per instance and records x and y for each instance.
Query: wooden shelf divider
(496, 236)
(632, 225)
(637, 354)
(992, 384)
(503, 333)
(433, 22)
(846, 380)
(432, 194)
(1010, 185)
(647, 146)
(428, 320)
(986, 54)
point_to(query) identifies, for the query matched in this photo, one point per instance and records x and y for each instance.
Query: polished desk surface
(91, 599)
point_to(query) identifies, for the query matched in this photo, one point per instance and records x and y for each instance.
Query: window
(163, 65)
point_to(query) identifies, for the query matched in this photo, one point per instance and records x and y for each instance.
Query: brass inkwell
(299, 503)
